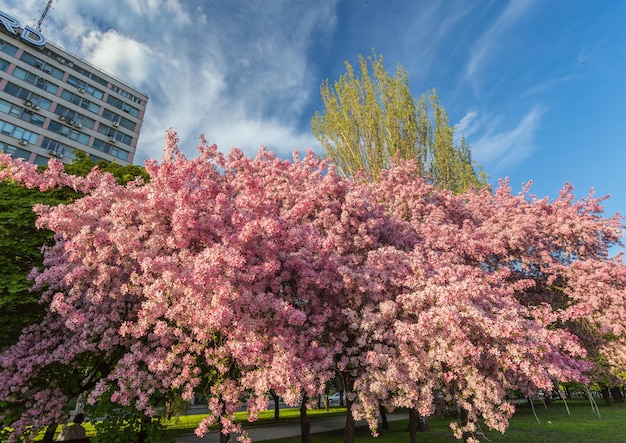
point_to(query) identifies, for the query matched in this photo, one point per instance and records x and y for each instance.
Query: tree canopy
(247, 275)
(21, 242)
(369, 120)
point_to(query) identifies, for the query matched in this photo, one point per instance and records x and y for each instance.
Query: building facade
(53, 103)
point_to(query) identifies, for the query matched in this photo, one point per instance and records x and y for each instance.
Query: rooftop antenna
(43, 15)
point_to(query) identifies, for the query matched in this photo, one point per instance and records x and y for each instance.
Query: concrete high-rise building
(53, 103)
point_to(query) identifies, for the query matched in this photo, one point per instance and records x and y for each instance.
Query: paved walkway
(271, 432)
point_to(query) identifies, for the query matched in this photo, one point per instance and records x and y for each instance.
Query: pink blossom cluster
(251, 274)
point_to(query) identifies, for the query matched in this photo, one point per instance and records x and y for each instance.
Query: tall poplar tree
(371, 118)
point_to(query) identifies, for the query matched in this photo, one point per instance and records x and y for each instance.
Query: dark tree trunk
(276, 405)
(568, 393)
(464, 422)
(348, 432)
(305, 424)
(547, 400)
(414, 419)
(383, 417)
(606, 396)
(224, 438)
(348, 384)
(142, 435)
(422, 423)
(49, 435)
(616, 392)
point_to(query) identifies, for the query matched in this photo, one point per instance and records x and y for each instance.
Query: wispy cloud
(465, 127)
(503, 149)
(487, 44)
(547, 85)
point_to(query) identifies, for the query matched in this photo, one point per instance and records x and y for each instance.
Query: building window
(57, 149)
(71, 117)
(121, 121)
(4, 65)
(123, 106)
(90, 75)
(85, 88)
(18, 132)
(40, 160)
(35, 80)
(14, 151)
(56, 56)
(126, 94)
(113, 133)
(29, 97)
(8, 48)
(68, 132)
(81, 101)
(26, 114)
(42, 65)
(110, 149)
(31, 117)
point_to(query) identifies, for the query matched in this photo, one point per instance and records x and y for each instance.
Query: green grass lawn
(187, 423)
(582, 426)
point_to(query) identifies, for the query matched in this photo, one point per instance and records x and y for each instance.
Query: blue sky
(538, 87)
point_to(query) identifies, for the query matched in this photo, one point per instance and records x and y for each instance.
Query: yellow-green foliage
(370, 119)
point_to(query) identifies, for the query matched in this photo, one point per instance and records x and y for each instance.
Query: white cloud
(465, 126)
(121, 56)
(547, 85)
(499, 150)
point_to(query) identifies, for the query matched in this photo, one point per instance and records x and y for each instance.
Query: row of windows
(82, 86)
(73, 134)
(57, 73)
(72, 117)
(68, 132)
(123, 106)
(126, 94)
(35, 80)
(17, 132)
(81, 101)
(90, 75)
(26, 136)
(30, 98)
(110, 149)
(114, 134)
(42, 65)
(55, 149)
(121, 121)
(58, 149)
(22, 113)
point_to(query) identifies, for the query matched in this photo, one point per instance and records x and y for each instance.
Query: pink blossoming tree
(232, 267)
(240, 276)
(497, 288)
